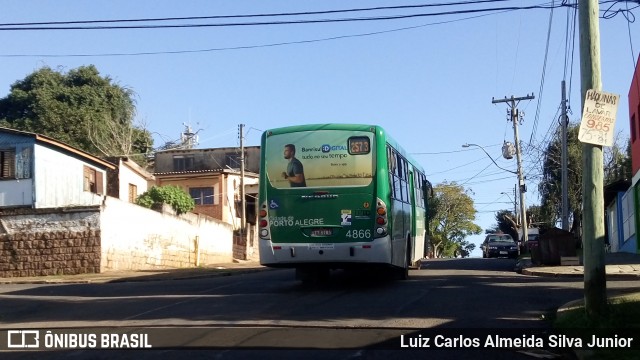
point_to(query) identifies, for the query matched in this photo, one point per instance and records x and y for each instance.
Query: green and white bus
(337, 196)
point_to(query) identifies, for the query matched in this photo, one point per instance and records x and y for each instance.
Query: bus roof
(352, 127)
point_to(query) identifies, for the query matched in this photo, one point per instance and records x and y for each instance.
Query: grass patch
(623, 317)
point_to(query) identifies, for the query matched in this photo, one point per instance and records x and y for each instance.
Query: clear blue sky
(428, 79)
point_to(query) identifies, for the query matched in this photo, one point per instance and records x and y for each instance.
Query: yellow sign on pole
(598, 118)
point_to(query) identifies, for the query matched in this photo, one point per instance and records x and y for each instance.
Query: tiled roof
(186, 172)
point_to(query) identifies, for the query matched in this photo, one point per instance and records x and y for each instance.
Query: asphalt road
(270, 314)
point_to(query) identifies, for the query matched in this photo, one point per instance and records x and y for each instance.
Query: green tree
(617, 165)
(550, 187)
(617, 162)
(80, 108)
(171, 195)
(452, 222)
(506, 222)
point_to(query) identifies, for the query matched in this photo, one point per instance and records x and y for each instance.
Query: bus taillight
(381, 218)
(263, 222)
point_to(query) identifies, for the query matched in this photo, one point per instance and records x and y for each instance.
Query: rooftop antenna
(188, 138)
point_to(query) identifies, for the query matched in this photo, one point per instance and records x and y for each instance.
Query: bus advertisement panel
(328, 158)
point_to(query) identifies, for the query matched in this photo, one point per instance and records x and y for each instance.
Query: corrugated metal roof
(60, 145)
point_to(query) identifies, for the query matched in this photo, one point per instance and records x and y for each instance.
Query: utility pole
(515, 203)
(523, 188)
(564, 171)
(595, 282)
(242, 198)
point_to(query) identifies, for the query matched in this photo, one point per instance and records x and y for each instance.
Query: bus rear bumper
(289, 255)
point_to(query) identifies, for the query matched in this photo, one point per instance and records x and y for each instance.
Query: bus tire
(403, 272)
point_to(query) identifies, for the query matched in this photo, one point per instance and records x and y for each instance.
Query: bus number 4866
(359, 234)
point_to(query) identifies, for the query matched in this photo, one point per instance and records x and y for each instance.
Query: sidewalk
(223, 269)
(617, 266)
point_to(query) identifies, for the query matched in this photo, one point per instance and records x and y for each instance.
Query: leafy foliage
(452, 221)
(550, 187)
(617, 165)
(171, 195)
(506, 223)
(79, 108)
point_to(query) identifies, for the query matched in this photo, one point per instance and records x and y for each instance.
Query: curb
(131, 277)
(620, 276)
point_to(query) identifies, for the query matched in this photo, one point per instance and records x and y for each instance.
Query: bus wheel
(403, 272)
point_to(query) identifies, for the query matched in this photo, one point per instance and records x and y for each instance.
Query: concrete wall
(245, 246)
(137, 238)
(114, 236)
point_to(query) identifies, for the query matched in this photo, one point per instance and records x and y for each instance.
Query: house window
(133, 193)
(182, 163)
(92, 180)
(7, 164)
(23, 163)
(202, 195)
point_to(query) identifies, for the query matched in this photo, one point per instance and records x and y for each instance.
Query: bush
(171, 195)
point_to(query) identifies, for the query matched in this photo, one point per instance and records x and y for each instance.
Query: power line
(273, 23)
(247, 47)
(250, 15)
(544, 71)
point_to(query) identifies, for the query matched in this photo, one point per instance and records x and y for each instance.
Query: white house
(40, 172)
(129, 180)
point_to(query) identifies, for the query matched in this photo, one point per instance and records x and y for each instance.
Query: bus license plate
(321, 246)
(321, 232)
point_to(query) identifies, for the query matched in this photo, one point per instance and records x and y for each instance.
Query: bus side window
(405, 182)
(397, 183)
(417, 184)
(392, 169)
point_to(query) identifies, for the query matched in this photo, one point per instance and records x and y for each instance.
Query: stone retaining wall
(53, 242)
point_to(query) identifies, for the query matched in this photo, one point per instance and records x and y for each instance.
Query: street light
(494, 162)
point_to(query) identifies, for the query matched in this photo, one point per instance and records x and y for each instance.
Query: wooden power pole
(595, 282)
(514, 116)
(243, 215)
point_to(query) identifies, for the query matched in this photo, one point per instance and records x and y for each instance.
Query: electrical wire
(271, 23)
(544, 71)
(253, 15)
(248, 47)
